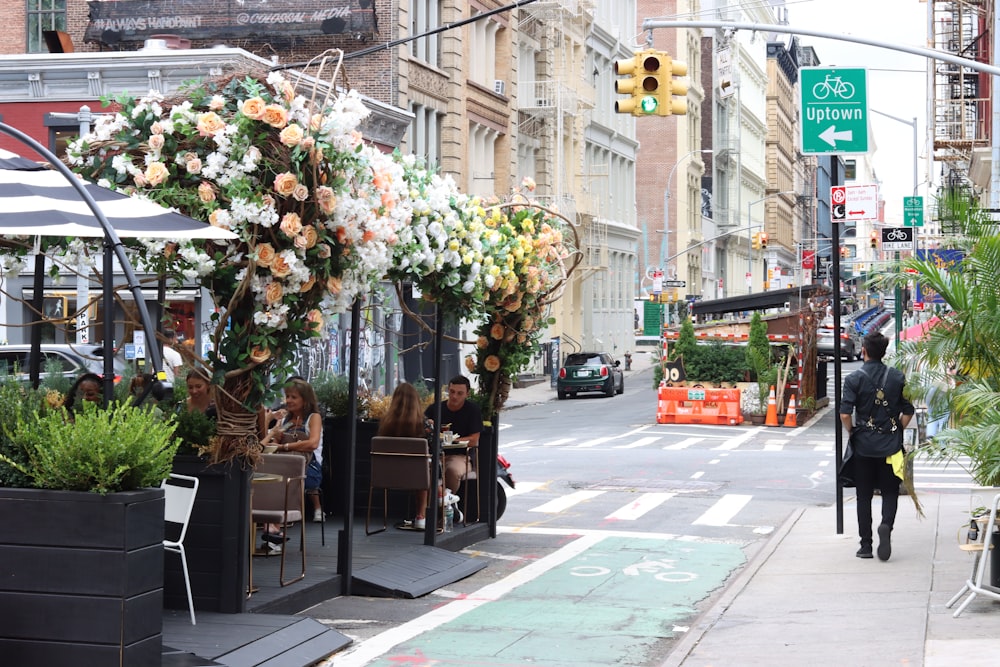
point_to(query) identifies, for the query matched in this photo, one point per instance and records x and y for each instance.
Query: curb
(707, 620)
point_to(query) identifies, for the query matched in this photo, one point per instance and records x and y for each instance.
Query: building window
(424, 17)
(482, 154)
(425, 134)
(44, 15)
(482, 51)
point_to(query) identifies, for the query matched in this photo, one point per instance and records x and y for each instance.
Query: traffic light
(755, 243)
(874, 240)
(647, 79)
(763, 240)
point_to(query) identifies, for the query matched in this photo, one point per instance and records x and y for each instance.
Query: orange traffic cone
(790, 415)
(772, 410)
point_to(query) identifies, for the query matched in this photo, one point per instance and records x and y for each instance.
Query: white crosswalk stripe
(722, 512)
(641, 442)
(644, 503)
(565, 502)
(684, 444)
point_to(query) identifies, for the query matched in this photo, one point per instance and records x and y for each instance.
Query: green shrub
(119, 448)
(194, 429)
(17, 401)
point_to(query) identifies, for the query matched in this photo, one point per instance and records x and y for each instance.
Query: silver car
(74, 360)
(850, 341)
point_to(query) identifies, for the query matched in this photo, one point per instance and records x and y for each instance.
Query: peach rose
(193, 166)
(280, 267)
(315, 122)
(310, 235)
(307, 285)
(496, 331)
(156, 173)
(140, 180)
(315, 156)
(492, 363)
(291, 224)
(209, 123)
(482, 342)
(324, 251)
(156, 128)
(273, 293)
(326, 199)
(314, 321)
(287, 92)
(217, 103)
(333, 285)
(291, 135)
(275, 116)
(300, 193)
(299, 242)
(470, 363)
(206, 192)
(284, 183)
(265, 254)
(216, 219)
(156, 142)
(253, 108)
(259, 354)
(308, 143)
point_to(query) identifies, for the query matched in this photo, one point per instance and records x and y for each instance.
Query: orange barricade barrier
(696, 405)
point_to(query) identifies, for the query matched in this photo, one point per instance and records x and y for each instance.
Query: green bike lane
(601, 599)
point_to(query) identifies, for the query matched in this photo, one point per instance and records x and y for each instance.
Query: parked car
(590, 372)
(850, 341)
(74, 360)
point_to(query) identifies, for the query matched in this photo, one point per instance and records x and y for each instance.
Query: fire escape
(551, 116)
(961, 119)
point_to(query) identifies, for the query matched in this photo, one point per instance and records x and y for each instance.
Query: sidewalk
(805, 599)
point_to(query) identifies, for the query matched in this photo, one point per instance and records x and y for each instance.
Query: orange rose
(291, 224)
(333, 285)
(265, 254)
(492, 363)
(209, 123)
(314, 321)
(259, 354)
(273, 293)
(253, 108)
(291, 135)
(307, 285)
(206, 192)
(280, 267)
(310, 235)
(156, 173)
(275, 116)
(284, 183)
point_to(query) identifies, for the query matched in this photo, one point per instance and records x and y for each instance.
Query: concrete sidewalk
(805, 599)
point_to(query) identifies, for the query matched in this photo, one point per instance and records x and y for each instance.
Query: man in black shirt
(462, 417)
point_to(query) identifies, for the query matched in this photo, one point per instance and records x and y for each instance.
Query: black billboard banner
(116, 21)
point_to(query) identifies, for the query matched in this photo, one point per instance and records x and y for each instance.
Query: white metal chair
(178, 503)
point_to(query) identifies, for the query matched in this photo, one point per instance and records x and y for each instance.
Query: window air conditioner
(499, 86)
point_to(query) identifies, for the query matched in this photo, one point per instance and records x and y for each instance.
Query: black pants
(869, 474)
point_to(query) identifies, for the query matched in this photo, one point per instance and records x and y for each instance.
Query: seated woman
(405, 419)
(199, 389)
(88, 387)
(299, 428)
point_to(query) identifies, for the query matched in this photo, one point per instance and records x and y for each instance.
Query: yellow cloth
(897, 461)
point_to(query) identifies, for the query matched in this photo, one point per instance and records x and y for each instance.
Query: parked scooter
(503, 476)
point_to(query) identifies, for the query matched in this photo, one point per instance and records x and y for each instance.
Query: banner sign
(945, 260)
(138, 20)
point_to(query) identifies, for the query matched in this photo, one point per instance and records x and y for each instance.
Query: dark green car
(590, 372)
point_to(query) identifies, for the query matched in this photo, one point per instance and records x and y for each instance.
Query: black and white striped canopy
(37, 201)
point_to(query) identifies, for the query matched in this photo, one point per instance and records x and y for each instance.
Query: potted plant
(82, 535)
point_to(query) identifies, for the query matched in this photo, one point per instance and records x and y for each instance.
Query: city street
(619, 533)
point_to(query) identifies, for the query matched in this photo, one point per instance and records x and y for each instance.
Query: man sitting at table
(463, 417)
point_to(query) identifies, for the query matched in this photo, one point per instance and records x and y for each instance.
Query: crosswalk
(731, 439)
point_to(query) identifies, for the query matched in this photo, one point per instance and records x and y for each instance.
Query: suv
(74, 360)
(590, 371)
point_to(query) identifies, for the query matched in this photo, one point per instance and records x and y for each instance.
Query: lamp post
(666, 206)
(750, 226)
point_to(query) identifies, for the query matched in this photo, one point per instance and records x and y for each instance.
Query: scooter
(503, 476)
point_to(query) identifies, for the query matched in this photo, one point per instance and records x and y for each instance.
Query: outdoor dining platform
(393, 563)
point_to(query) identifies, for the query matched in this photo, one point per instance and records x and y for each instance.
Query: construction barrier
(697, 405)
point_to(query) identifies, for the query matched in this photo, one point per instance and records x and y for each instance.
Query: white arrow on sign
(830, 135)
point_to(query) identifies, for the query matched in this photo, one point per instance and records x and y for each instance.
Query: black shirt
(466, 421)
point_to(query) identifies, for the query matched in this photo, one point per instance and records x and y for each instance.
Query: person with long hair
(199, 390)
(298, 428)
(405, 419)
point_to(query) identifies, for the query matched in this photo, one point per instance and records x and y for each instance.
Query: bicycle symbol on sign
(833, 85)
(896, 234)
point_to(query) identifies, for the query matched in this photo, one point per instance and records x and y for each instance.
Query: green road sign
(834, 110)
(913, 211)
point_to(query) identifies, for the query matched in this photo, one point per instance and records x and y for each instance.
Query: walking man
(874, 411)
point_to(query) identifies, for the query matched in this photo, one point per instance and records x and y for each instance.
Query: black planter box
(218, 540)
(82, 578)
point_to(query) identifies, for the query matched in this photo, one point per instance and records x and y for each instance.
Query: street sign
(897, 238)
(838, 203)
(674, 283)
(834, 110)
(853, 202)
(913, 211)
(724, 69)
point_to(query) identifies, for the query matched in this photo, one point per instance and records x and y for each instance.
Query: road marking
(698, 474)
(733, 443)
(684, 444)
(641, 442)
(773, 448)
(565, 502)
(556, 443)
(713, 462)
(370, 649)
(595, 442)
(644, 503)
(723, 510)
(524, 487)
(515, 443)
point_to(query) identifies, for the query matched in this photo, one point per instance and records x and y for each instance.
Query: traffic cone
(772, 410)
(790, 415)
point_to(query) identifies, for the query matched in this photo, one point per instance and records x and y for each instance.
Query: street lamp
(666, 205)
(750, 226)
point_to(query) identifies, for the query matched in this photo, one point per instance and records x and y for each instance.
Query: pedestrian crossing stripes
(735, 440)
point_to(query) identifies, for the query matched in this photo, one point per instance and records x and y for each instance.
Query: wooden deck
(271, 632)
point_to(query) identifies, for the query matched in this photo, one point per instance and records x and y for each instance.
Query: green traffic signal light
(649, 104)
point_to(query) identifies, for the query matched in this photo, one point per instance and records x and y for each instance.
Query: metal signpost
(834, 110)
